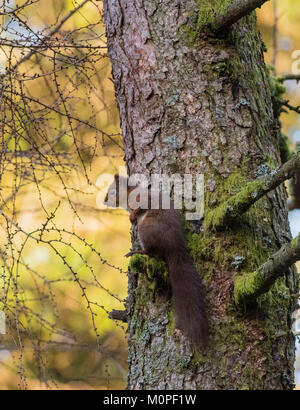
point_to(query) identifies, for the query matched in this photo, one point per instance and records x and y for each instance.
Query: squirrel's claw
(140, 252)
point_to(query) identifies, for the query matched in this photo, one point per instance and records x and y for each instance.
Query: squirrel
(161, 235)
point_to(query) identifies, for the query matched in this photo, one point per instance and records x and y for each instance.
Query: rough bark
(191, 103)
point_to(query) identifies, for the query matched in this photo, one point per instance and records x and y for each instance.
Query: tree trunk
(194, 103)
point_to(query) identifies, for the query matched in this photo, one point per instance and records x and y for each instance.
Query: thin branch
(291, 107)
(249, 286)
(240, 203)
(48, 36)
(235, 11)
(289, 77)
(18, 8)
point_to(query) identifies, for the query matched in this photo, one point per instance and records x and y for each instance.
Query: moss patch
(247, 285)
(152, 267)
(234, 205)
(204, 16)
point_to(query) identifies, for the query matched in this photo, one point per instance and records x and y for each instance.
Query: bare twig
(47, 37)
(291, 107)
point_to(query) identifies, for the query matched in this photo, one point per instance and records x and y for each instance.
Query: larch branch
(48, 36)
(235, 11)
(291, 107)
(240, 203)
(249, 286)
(290, 77)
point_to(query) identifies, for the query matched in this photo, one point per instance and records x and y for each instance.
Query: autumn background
(62, 256)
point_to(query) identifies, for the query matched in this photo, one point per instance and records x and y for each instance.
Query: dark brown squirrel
(161, 235)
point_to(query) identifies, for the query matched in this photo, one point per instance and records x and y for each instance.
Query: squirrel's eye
(113, 192)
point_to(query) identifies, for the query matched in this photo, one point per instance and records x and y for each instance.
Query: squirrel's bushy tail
(188, 296)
